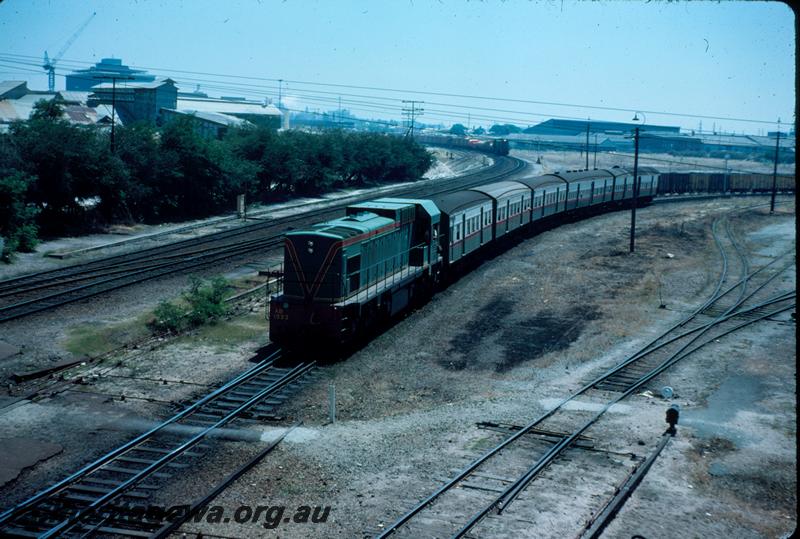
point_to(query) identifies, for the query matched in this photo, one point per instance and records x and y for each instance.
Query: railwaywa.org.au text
(268, 516)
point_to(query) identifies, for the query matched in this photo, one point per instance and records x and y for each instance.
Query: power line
(447, 94)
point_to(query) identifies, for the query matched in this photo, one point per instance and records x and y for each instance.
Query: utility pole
(113, 112)
(412, 112)
(775, 170)
(113, 104)
(726, 180)
(635, 186)
(595, 151)
(587, 144)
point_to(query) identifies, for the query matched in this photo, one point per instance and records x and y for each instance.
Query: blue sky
(729, 59)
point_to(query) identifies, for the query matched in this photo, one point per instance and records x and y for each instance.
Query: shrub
(168, 317)
(27, 238)
(206, 300)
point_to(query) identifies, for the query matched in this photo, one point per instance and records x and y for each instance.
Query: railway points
(716, 317)
(92, 500)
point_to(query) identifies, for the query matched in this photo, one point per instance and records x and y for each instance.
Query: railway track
(100, 498)
(44, 291)
(474, 502)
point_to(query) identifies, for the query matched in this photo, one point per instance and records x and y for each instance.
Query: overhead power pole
(587, 144)
(113, 103)
(412, 112)
(635, 186)
(775, 170)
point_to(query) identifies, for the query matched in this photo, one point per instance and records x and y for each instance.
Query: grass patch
(481, 444)
(233, 332)
(203, 303)
(92, 340)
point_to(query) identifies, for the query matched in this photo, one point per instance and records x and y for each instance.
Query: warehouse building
(136, 101)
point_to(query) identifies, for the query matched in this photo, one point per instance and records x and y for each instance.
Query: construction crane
(50, 63)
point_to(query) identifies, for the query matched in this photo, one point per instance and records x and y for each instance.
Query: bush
(204, 303)
(168, 317)
(27, 238)
(206, 300)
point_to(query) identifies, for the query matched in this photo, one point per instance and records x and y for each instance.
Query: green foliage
(458, 129)
(168, 317)
(61, 178)
(203, 303)
(47, 110)
(27, 237)
(504, 129)
(206, 300)
(17, 225)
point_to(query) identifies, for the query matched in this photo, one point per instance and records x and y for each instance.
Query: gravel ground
(501, 344)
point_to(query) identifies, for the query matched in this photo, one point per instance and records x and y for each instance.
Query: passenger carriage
(511, 204)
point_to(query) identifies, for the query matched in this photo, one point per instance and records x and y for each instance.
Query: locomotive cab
(344, 274)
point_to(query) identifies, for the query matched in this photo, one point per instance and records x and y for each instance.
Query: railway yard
(518, 402)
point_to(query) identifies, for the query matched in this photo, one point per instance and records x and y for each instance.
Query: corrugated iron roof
(212, 117)
(8, 85)
(226, 107)
(123, 85)
(74, 96)
(20, 109)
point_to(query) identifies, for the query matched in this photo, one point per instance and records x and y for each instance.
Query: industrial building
(108, 68)
(136, 101)
(17, 102)
(563, 135)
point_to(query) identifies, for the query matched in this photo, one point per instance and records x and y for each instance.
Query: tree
(69, 164)
(458, 129)
(47, 110)
(17, 225)
(504, 129)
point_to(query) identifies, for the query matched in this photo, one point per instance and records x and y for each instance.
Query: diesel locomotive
(342, 278)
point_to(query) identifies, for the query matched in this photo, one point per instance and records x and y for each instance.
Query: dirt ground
(502, 344)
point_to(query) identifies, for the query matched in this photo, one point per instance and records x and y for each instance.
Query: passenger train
(343, 278)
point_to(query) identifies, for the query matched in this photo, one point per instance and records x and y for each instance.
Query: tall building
(83, 79)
